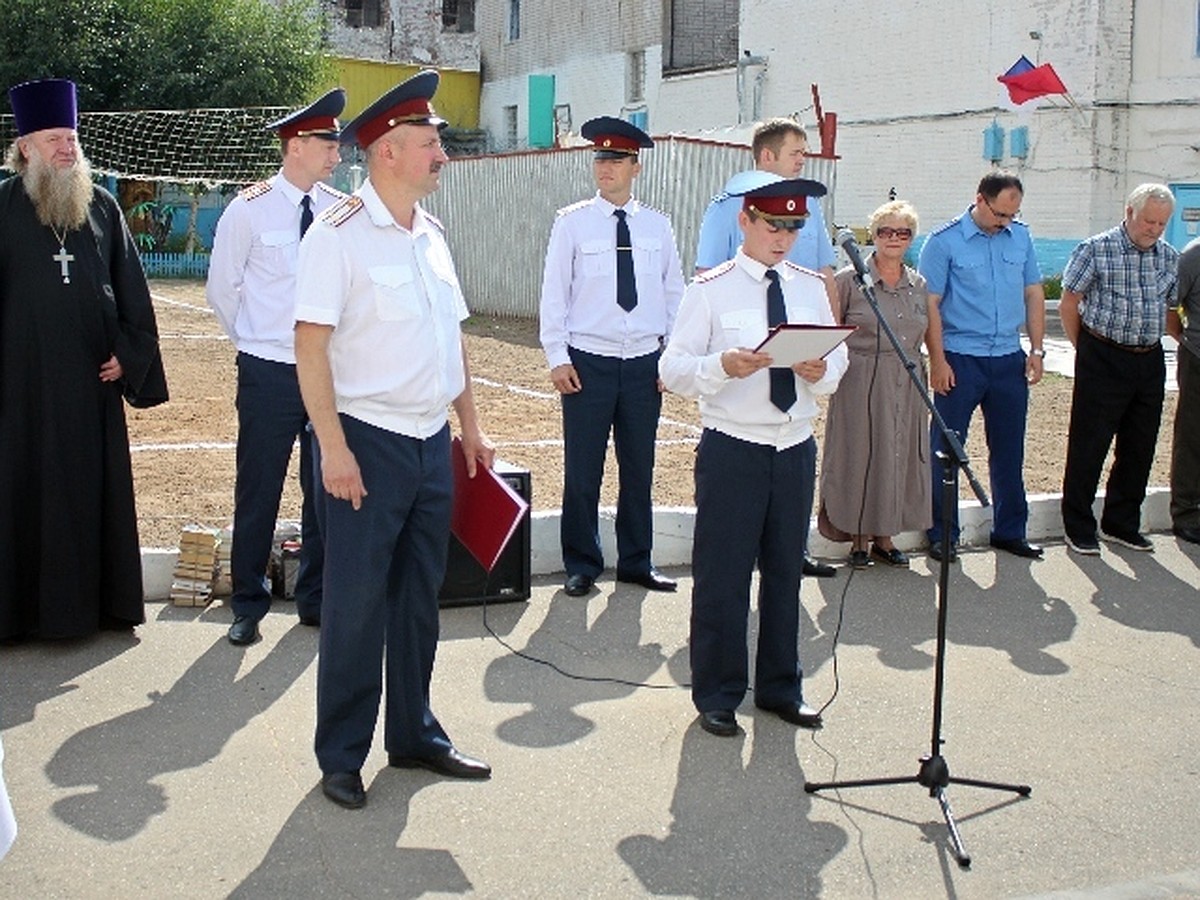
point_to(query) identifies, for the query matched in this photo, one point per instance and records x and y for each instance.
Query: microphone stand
(933, 773)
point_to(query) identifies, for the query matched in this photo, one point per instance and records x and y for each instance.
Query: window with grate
(701, 34)
(514, 19)
(363, 13)
(635, 80)
(458, 15)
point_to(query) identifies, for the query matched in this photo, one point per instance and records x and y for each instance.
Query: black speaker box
(467, 582)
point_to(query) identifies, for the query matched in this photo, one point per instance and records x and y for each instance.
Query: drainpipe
(744, 62)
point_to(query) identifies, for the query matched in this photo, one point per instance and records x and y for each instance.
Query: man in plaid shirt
(1117, 288)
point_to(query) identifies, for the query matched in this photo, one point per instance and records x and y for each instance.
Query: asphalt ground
(169, 763)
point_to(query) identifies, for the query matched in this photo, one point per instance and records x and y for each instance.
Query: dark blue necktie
(626, 283)
(783, 381)
(306, 214)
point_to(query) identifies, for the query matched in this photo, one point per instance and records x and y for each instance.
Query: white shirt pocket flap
(280, 238)
(391, 276)
(741, 319)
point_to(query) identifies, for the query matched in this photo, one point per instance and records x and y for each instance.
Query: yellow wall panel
(365, 80)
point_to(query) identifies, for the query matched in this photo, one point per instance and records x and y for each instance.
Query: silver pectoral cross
(64, 259)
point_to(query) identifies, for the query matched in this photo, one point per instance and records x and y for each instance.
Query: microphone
(845, 240)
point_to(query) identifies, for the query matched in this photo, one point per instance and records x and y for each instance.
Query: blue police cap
(318, 119)
(406, 103)
(49, 103)
(782, 202)
(614, 138)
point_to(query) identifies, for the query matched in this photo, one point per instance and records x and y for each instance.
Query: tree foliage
(167, 54)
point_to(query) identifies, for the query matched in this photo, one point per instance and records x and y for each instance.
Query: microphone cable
(575, 676)
(862, 507)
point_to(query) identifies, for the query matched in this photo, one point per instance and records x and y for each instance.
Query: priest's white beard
(60, 196)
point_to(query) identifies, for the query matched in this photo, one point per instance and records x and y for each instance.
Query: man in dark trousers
(252, 288)
(610, 290)
(77, 332)
(380, 356)
(984, 284)
(1117, 288)
(756, 461)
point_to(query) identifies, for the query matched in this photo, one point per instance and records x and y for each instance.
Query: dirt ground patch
(184, 450)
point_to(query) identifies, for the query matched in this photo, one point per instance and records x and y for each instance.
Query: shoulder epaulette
(800, 270)
(331, 191)
(340, 212)
(434, 221)
(575, 206)
(946, 226)
(256, 190)
(648, 208)
(715, 271)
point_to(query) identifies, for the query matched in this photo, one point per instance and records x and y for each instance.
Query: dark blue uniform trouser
(753, 504)
(384, 565)
(621, 396)
(270, 416)
(998, 386)
(1116, 393)
(1185, 443)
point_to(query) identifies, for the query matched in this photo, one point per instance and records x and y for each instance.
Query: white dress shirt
(726, 308)
(579, 286)
(252, 271)
(394, 301)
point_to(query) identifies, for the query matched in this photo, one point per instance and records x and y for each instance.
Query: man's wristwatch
(1038, 351)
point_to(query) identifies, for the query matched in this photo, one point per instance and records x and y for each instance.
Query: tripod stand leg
(811, 787)
(956, 841)
(1023, 789)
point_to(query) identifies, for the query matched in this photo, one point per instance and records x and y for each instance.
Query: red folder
(486, 512)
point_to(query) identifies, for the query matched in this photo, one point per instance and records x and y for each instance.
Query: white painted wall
(914, 85)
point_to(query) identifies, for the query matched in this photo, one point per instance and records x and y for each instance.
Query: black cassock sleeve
(128, 312)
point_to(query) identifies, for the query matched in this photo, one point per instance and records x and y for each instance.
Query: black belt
(1130, 348)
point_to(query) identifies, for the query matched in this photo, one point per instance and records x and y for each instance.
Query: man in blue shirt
(984, 283)
(778, 146)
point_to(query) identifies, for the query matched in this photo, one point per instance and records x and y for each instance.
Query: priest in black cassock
(77, 335)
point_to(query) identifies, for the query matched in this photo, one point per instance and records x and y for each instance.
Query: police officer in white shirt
(610, 290)
(252, 288)
(380, 357)
(756, 461)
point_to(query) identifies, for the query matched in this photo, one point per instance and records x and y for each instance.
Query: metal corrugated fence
(498, 209)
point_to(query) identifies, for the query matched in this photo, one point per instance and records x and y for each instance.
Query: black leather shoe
(653, 580)
(814, 569)
(797, 714)
(311, 621)
(451, 763)
(1191, 535)
(1018, 547)
(720, 722)
(345, 789)
(893, 557)
(859, 559)
(243, 631)
(578, 585)
(935, 552)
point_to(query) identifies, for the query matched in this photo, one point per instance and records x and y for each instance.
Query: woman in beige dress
(875, 478)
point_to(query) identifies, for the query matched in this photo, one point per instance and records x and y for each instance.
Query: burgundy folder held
(486, 512)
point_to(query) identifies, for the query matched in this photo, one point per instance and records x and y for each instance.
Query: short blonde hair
(900, 209)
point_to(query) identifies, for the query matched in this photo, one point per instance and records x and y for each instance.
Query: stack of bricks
(223, 577)
(192, 584)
